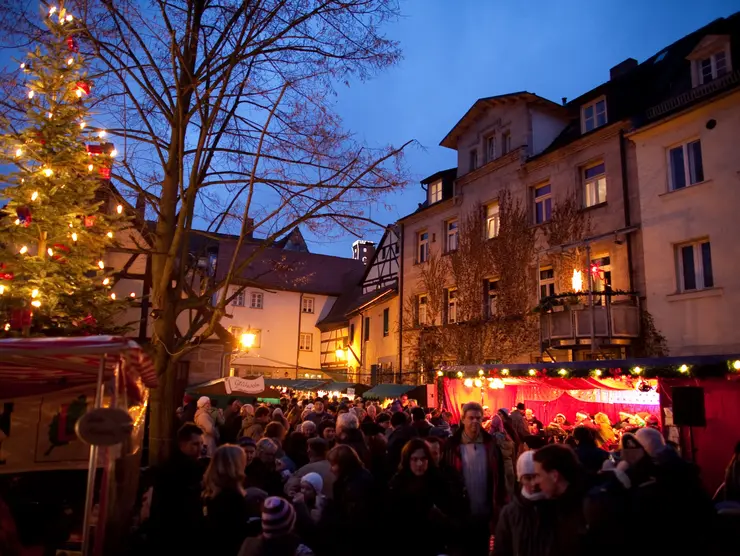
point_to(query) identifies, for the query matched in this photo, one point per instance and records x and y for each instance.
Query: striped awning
(32, 366)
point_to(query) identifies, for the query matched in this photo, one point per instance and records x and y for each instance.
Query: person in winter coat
(416, 498)
(520, 530)
(589, 454)
(262, 473)
(226, 507)
(278, 537)
(519, 423)
(256, 428)
(351, 515)
(232, 421)
(204, 419)
(507, 447)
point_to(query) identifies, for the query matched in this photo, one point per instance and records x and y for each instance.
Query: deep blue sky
(456, 51)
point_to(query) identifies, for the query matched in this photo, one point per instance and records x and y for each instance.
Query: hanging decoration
(59, 247)
(72, 44)
(89, 221)
(83, 88)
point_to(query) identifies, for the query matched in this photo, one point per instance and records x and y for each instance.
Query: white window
(422, 247)
(422, 310)
(236, 332)
(435, 192)
(594, 185)
(306, 342)
(593, 115)
(490, 148)
(238, 301)
(547, 282)
(493, 220)
(451, 237)
(256, 300)
(505, 142)
(257, 342)
(694, 265)
(685, 165)
(473, 159)
(451, 306)
(491, 295)
(712, 67)
(542, 203)
(308, 305)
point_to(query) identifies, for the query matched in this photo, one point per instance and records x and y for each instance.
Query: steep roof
(297, 271)
(350, 302)
(483, 104)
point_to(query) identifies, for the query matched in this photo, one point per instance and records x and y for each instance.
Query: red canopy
(32, 366)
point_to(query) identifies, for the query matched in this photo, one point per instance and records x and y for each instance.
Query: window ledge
(594, 207)
(696, 294)
(692, 186)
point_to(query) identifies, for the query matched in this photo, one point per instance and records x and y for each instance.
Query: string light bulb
(132, 294)
(106, 281)
(459, 374)
(34, 195)
(34, 294)
(48, 172)
(2, 289)
(440, 373)
(83, 124)
(50, 115)
(7, 327)
(19, 152)
(70, 61)
(23, 250)
(113, 296)
(597, 372)
(69, 18)
(562, 372)
(23, 65)
(50, 251)
(532, 372)
(17, 221)
(504, 372)
(119, 209)
(110, 235)
(36, 303)
(74, 236)
(478, 383)
(89, 167)
(468, 383)
(637, 370)
(101, 133)
(481, 372)
(31, 94)
(101, 265)
(736, 365)
(52, 10)
(113, 153)
(79, 93)
(684, 368)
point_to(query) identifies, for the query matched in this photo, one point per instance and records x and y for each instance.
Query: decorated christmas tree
(59, 215)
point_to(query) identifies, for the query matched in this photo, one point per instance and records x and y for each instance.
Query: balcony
(568, 323)
(716, 85)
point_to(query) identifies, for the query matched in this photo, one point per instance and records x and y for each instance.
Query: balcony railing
(693, 94)
(615, 319)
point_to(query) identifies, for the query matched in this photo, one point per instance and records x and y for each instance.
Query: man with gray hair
(347, 421)
(308, 428)
(475, 455)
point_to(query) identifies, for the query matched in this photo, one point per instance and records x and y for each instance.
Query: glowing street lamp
(339, 354)
(247, 340)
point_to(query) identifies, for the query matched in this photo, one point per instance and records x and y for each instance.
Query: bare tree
(223, 114)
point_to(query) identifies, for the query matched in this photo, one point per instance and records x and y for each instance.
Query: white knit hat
(652, 440)
(315, 480)
(525, 464)
(203, 400)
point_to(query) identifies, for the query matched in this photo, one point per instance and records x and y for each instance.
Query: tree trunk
(162, 416)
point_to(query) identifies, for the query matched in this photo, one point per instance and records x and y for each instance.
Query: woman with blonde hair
(605, 436)
(226, 508)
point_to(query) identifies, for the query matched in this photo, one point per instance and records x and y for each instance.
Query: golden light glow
(89, 167)
(31, 94)
(637, 370)
(577, 281)
(49, 115)
(113, 296)
(597, 372)
(684, 368)
(79, 93)
(19, 152)
(119, 209)
(459, 374)
(132, 294)
(23, 65)
(7, 327)
(70, 61)
(440, 373)
(74, 236)
(52, 10)
(2, 290)
(481, 372)
(478, 383)
(339, 354)
(34, 294)
(69, 18)
(50, 251)
(101, 133)
(247, 340)
(468, 383)
(114, 153)
(110, 235)
(24, 250)
(101, 265)
(532, 372)
(504, 372)
(36, 303)
(83, 125)
(562, 372)
(106, 281)
(34, 195)
(736, 365)
(17, 221)
(48, 172)
(496, 384)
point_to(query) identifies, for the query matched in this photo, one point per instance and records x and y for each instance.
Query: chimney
(249, 229)
(141, 205)
(622, 68)
(363, 250)
(565, 100)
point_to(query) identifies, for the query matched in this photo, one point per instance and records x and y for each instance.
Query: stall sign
(105, 426)
(245, 385)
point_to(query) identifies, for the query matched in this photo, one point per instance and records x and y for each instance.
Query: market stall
(343, 389)
(69, 405)
(245, 390)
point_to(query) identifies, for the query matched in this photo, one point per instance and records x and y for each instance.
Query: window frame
(386, 322)
(256, 296)
(493, 218)
(548, 283)
(545, 199)
(490, 151)
(594, 104)
(366, 331)
(422, 321)
(452, 234)
(473, 159)
(700, 271)
(712, 58)
(422, 242)
(491, 297)
(435, 192)
(451, 306)
(593, 181)
(236, 332)
(302, 344)
(306, 302)
(505, 142)
(351, 333)
(686, 154)
(241, 298)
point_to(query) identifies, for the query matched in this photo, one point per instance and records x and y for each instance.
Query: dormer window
(710, 59)
(435, 192)
(593, 115)
(712, 67)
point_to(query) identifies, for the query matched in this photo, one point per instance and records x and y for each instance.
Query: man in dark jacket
(419, 422)
(232, 421)
(402, 433)
(475, 455)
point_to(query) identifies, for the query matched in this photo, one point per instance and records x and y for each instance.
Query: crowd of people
(330, 477)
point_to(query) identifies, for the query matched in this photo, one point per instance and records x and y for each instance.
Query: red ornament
(104, 172)
(89, 221)
(58, 247)
(84, 86)
(72, 44)
(40, 138)
(20, 318)
(5, 275)
(89, 320)
(24, 216)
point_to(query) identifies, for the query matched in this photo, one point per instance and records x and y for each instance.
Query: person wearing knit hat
(204, 419)
(277, 538)
(310, 502)
(312, 481)
(278, 517)
(652, 440)
(526, 476)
